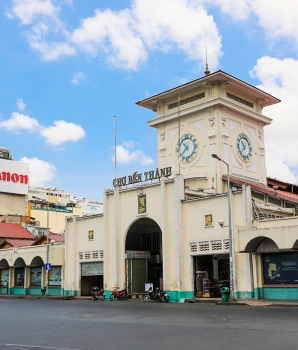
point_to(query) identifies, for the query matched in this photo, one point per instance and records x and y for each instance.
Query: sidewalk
(216, 301)
(250, 302)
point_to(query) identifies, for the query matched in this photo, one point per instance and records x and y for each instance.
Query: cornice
(204, 106)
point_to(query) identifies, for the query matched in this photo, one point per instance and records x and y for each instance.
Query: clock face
(186, 148)
(244, 147)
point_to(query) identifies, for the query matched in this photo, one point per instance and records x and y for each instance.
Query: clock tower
(219, 114)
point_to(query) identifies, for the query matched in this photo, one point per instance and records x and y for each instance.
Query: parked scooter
(157, 295)
(151, 295)
(97, 293)
(119, 294)
(162, 296)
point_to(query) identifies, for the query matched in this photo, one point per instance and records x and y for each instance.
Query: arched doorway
(144, 262)
(19, 276)
(4, 276)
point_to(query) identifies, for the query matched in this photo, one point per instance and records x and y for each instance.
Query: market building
(206, 217)
(161, 226)
(23, 258)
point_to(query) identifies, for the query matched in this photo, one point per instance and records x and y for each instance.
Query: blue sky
(69, 66)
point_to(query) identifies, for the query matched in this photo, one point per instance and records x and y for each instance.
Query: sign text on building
(140, 177)
(14, 177)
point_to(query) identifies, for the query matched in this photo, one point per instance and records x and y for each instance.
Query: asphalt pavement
(216, 301)
(83, 324)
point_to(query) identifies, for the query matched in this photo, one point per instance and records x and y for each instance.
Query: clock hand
(244, 146)
(185, 149)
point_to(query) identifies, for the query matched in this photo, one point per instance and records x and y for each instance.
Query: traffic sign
(48, 266)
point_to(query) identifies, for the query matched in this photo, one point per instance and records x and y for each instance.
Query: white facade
(161, 226)
(172, 212)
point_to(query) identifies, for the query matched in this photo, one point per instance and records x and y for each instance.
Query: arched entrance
(4, 276)
(144, 262)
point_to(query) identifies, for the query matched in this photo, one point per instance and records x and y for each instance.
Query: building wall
(13, 204)
(56, 218)
(79, 248)
(11, 255)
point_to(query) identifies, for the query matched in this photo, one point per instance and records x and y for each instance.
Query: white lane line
(39, 347)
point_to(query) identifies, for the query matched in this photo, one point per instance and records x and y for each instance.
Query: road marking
(39, 347)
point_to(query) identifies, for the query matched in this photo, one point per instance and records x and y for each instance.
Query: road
(87, 325)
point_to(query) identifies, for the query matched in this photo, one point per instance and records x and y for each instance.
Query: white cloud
(279, 78)
(20, 104)
(28, 10)
(78, 78)
(61, 132)
(112, 32)
(277, 18)
(19, 121)
(126, 156)
(43, 17)
(126, 37)
(238, 9)
(40, 172)
(49, 50)
(164, 26)
(180, 24)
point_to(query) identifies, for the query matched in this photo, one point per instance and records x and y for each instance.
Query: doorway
(143, 249)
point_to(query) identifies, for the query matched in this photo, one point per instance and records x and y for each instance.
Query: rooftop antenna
(207, 71)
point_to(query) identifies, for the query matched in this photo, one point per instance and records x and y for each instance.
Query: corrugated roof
(12, 230)
(16, 243)
(288, 196)
(52, 236)
(57, 238)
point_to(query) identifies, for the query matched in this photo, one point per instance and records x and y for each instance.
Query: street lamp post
(232, 296)
(47, 258)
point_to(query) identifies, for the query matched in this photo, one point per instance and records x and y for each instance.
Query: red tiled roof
(52, 236)
(17, 231)
(17, 242)
(57, 238)
(291, 197)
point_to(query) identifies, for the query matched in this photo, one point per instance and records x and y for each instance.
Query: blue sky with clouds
(69, 66)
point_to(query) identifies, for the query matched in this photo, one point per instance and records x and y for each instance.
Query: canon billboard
(14, 177)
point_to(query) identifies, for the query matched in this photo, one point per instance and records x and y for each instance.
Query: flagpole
(179, 130)
(115, 145)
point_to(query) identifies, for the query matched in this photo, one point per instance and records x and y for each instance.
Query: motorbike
(162, 297)
(97, 293)
(119, 294)
(151, 295)
(157, 295)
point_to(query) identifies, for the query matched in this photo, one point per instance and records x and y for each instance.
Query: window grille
(216, 245)
(273, 200)
(95, 255)
(290, 205)
(209, 247)
(258, 195)
(226, 244)
(204, 246)
(87, 255)
(194, 247)
(239, 99)
(187, 100)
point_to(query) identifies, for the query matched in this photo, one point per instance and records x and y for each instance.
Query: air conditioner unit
(37, 223)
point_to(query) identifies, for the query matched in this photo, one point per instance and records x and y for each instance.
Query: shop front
(211, 274)
(280, 275)
(91, 276)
